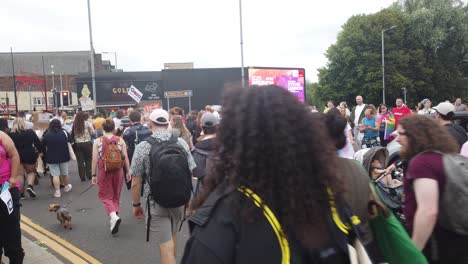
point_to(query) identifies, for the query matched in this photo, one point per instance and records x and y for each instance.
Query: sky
(145, 34)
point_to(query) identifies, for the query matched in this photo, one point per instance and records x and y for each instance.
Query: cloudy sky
(147, 33)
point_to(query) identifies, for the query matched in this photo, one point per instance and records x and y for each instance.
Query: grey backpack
(453, 205)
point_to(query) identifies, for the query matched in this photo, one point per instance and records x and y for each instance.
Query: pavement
(35, 254)
(90, 241)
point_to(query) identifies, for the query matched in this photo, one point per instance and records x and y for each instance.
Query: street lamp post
(383, 62)
(54, 91)
(241, 43)
(93, 73)
(115, 57)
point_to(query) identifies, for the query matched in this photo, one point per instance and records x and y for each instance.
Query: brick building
(34, 78)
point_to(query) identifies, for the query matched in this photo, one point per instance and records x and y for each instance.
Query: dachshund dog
(63, 215)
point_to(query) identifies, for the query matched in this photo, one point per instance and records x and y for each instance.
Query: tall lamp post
(91, 54)
(241, 43)
(383, 62)
(54, 91)
(115, 57)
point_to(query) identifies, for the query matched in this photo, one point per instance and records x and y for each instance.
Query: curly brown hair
(425, 134)
(79, 123)
(270, 142)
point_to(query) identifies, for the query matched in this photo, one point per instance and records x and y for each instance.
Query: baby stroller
(391, 196)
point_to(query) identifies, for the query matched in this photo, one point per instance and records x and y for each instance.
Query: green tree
(427, 53)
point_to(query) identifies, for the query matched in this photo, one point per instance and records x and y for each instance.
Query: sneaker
(31, 192)
(114, 224)
(22, 196)
(57, 194)
(67, 188)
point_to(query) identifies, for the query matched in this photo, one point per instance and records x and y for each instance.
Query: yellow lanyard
(270, 216)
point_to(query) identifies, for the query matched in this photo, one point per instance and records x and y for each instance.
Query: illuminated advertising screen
(292, 80)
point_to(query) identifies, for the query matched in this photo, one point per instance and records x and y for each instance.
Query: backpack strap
(275, 224)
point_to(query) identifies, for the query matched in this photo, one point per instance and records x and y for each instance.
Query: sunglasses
(402, 134)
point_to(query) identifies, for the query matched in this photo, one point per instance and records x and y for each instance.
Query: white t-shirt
(357, 113)
(426, 112)
(117, 122)
(347, 151)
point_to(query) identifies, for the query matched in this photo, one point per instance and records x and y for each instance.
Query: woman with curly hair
(82, 133)
(266, 199)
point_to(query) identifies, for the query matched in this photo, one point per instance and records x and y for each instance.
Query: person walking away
(355, 179)
(357, 114)
(400, 111)
(271, 180)
(97, 125)
(165, 202)
(204, 151)
(55, 141)
(444, 113)
(177, 125)
(191, 122)
(28, 145)
(82, 134)
(10, 231)
(426, 110)
(4, 125)
(370, 126)
(109, 162)
(118, 122)
(27, 124)
(135, 134)
(387, 124)
(424, 144)
(459, 106)
(125, 121)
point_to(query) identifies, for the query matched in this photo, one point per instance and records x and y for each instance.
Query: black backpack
(204, 160)
(141, 133)
(170, 179)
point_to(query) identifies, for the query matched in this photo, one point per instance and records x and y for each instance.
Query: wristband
(136, 205)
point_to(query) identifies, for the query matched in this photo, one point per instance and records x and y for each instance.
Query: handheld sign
(135, 94)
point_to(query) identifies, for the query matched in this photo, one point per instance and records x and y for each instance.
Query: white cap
(159, 116)
(444, 108)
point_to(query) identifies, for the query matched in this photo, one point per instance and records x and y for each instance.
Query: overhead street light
(115, 57)
(383, 62)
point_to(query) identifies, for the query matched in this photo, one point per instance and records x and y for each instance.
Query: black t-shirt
(458, 133)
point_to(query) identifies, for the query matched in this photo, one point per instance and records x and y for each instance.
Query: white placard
(87, 104)
(7, 200)
(135, 94)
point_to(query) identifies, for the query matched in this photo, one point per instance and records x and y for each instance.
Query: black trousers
(10, 232)
(84, 155)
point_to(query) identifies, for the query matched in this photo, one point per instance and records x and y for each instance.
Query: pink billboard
(292, 80)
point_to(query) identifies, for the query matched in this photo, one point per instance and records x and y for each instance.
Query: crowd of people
(265, 180)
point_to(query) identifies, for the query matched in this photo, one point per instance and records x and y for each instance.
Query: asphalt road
(90, 231)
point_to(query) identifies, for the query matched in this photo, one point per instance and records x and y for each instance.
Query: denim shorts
(59, 169)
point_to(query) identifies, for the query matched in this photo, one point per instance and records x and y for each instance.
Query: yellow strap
(270, 216)
(336, 217)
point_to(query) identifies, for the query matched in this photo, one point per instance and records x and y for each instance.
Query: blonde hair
(177, 122)
(19, 125)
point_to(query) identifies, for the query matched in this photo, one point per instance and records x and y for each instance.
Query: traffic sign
(178, 94)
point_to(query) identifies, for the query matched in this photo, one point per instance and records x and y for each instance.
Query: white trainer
(67, 188)
(114, 224)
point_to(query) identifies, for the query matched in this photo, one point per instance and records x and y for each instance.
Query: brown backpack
(112, 158)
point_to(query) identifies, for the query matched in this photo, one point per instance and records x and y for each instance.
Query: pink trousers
(110, 186)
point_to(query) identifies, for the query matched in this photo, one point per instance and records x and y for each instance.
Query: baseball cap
(444, 108)
(209, 119)
(159, 116)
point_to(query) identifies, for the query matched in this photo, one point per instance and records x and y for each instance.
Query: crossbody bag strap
(274, 223)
